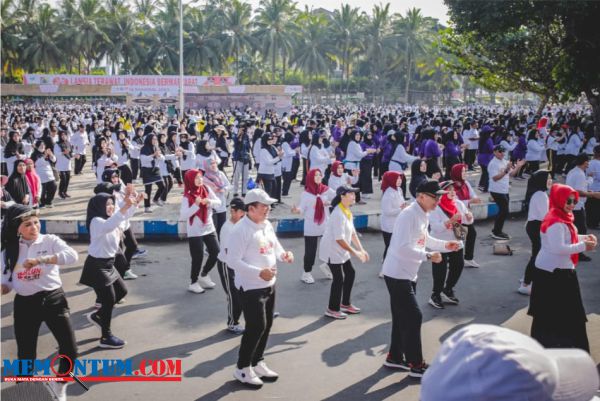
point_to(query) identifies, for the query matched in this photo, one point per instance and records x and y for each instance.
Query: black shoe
(584, 258)
(448, 297)
(94, 319)
(394, 364)
(436, 301)
(500, 236)
(418, 371)
(235, 195)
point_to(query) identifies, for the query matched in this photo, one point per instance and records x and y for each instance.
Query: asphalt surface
(317, 358)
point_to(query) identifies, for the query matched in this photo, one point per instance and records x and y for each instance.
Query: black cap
(344, 189)
(431, 187)
(499, 148)
(237, 203)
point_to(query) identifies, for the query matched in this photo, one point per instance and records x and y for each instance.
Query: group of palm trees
(275, 43)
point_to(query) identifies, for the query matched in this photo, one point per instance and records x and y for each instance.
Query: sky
(429, 8)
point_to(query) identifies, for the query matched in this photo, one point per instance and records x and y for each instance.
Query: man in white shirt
(592, 206)
(254, 259)
(405, 254)
(499, 171)
(471, 139)
(577, 180)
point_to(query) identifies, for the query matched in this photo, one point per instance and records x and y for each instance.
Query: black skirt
(556, 297)
(365, 177)
(98, 272)
(150, 175)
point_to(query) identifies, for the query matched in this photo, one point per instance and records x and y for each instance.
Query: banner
(258, 102)
(148, 81)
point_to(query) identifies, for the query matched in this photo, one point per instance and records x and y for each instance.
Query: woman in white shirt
(392, 203)
(314, 202)
(466, 194)
(536, 201)
(103, 223)
(43, 159)
(318, 156)
(269, 156)
(150, 158)
(339, 177)
(535, 151)
(30, 265)
(556, 307)
(450, 212)
(354, 155)
(220, 185)
(64, 153)
(123, 149)
(196, 210)
(336, 248)
(188, 156)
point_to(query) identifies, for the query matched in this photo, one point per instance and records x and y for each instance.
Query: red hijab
(559, 193)
(191, 192)
(390, 178)
(33, 180)
(448, 205)
(461, 188)
(316, 189)
(334, 168)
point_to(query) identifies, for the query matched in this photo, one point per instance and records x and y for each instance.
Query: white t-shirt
(468, 135)
(538, 206)
(307, 206)
(594, 171)
(576, 179)
(495, 167)
(338, 227)
(392, 201)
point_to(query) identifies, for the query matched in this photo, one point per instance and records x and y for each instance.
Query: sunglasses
(571, 201)
(433, 196)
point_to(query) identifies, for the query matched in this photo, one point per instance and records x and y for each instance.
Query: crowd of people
(244, 162)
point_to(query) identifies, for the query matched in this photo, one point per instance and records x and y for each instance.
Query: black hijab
(416, 176)
(148, 148)
(17, 185)
(97, 208)
(537, 182)
(201, 148)
(13, 147)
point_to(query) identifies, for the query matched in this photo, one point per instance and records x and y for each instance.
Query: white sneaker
(196, 288)
(471, 263)
(247, 376)
(58, 390)
(524, 289)
(326, 271)
(129, 275)
(262, 370)
(206, 282)
(307, 278)
(367, 196)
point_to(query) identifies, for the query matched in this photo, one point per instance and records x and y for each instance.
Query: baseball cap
(258, 195)
(237, 203)
(431, 187)
(344, 189)
(499, 148)
(490, 362)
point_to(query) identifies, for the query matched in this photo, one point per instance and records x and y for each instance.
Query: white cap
(486, 362)
(258, 195)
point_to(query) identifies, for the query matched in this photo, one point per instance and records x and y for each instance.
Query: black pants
(276, 194)
(553, 335)
(365, 177)
(48, 192)
(484, 180)
(377, 165)
(288, 176)
(121, 262)
(502, 202)
(533, 166)
(470, 242)
(258, 306)
(569, 162)
(135, 168)
(447, 273)
(108, 296)
(310, 251)
(385, 166)
(341, 286)
(65, 178)
(79, 164)
(126, 174)
(558, 167)
(218, 220)
(168, 181)
(295, 167)
(406, 321)
(130, 242)
(52, 308)
(533, 232)
(592, 212)
(450, 161)
(234, 305)
(197, 252)
(305, 166)
(160, 188)
(268, 185)
(552, 161)
(387, 237)
(470, 155)
(580, 221)
(178, 176)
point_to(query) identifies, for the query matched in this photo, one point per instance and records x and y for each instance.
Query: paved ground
(318, 359)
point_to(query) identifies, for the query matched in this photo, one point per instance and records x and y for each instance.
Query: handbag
(502, 248)
(460, 231)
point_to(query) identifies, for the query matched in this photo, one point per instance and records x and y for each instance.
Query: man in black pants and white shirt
(254, 260)
(407, 251)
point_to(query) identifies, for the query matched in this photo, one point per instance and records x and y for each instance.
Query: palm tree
(9, 40)
(125, 44)
(40, 49)
(376, 34)
(203, 47)
(414, 34)
(144, 11)
(237, 36)
(275, 30)
(345, 27)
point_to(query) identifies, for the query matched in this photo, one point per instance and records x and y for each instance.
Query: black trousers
(450, 161)
(48, 192)
(288, 176)
(65, 178)
(448, 271)
(553, 335)
(470, 241)
(268, 184)
(406, 321)
(130, 242)
(365, 177)
(52, 308)
(305, 166)
(160, 188)
(168, 181)
(108, 296)
(484, 180)
(533, 232)
(178, 176)
(196, 245)
(385, 166)
(341, 286)
(295, 167)
(310, 251)
(552, 161)
(558, 166)
(580, 221)
(234, 304)
(387, 237)
(592, 212)
(218, 220)
(135, 168)
(258, 306)
(569, 162)
(276, 194)
(79, 164)
(533, 166)
(126, 174)
(470, 155)
(502, 202)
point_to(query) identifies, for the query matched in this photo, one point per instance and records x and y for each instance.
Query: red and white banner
(148, 81)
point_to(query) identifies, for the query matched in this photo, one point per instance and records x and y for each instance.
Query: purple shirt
(431, 149)
(364, 147)
(336, 133)
(294, 144)
(452, 149)
(521, 149)
(486, 153)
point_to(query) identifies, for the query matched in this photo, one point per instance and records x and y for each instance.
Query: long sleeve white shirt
(197, 228)
(307, 206)
(267, 162)
(335, 182)
(257, 247)
(400, 156)
(43, 168)
(319, 158)
(407, 245)
(224, 241)
(438, 219)
(105, 234)
(288, 157)
(557, 249)
(354, 155)
(392, 201)
(538, 206)
(535, 150)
